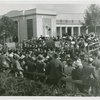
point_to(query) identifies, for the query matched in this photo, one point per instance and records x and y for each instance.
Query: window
(15, 37)
(58, 31)
(63, 31)
(30, 28)
(16, 25)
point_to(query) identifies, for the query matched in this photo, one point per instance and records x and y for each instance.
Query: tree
(92, 17)
(7, 27)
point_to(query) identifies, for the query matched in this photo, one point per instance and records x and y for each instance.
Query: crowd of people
(69, 59)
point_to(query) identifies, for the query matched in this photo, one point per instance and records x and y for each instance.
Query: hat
(16, 57)
(34, 58)
(73, 42)
(78, 64)
(40, 57)
(11, 55)
(22, 57)
(48, 57)
(55, 55)
(68, 55)
(90, 60)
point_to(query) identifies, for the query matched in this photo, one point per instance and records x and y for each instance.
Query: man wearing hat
(96, 61)
(40, 64)
(96, 64)
(40, 67)
(76, 76)
(55, 70)
(88, 75)
(18, 68)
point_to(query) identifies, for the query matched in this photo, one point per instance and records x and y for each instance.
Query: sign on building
(11, 45)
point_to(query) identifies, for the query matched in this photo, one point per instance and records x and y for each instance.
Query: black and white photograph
(49, 49)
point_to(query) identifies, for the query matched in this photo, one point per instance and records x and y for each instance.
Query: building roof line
(70, 13)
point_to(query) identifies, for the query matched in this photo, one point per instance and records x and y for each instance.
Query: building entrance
(69, 31)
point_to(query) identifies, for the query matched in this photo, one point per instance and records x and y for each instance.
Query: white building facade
(35, 22)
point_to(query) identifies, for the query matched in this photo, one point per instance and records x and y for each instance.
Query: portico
(68, 29)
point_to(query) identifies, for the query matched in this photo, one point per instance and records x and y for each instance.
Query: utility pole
(4, 38)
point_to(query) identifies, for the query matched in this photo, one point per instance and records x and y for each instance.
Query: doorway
(69, 31)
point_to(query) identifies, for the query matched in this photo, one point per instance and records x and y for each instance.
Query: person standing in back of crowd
(96, 64)
(88, 76)
(97, 81)
(96, 61)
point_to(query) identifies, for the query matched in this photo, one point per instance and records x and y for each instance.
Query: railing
(95, 48)
(68, 22)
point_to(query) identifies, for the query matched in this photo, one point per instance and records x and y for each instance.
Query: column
(79, 31)
(86, 29)
(66, 29)
(72, 31)
(60, 31)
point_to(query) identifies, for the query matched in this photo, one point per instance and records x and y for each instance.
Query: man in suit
(88, 75)
(55, 70)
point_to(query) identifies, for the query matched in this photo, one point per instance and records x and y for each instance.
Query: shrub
(16, 86)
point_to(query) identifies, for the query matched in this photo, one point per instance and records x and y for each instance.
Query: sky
(59, 7)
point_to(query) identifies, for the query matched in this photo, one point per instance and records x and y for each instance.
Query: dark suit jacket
(55, 69)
